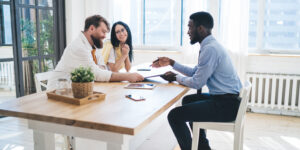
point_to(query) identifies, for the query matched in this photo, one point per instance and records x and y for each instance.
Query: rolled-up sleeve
(208, 61)
(102, 75)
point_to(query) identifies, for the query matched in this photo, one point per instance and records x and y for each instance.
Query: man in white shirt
(80, 53)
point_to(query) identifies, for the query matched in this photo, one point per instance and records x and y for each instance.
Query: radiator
(7, 75)
(274, 93)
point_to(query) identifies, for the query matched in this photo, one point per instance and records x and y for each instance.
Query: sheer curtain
(190, 52)
(234, 20)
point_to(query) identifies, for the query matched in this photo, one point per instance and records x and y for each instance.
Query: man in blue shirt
(215, 70)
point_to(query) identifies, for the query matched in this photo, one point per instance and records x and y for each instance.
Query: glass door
(32, 39)
(35, 23)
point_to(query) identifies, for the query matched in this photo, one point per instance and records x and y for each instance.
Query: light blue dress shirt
(214, 69)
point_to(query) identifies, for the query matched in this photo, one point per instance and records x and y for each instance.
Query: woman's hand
(124, 49)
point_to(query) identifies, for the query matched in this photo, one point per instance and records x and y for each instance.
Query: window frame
(58, 8)
(260, 35)
(2, 32)
(142, 34)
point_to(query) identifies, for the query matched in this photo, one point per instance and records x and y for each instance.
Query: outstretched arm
(162, 61)
(131, 77)
(165, 61)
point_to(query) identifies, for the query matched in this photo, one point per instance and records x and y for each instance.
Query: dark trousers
(201, 108)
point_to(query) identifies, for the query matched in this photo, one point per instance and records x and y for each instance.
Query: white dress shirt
(78, 53)
(112, 56)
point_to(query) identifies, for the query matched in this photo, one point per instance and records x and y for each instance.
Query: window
(274, 26)
(153, 23)
(5, 25)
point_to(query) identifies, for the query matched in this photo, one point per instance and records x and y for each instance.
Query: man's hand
(162, 61)
(135, 77)
(125, 50)
(169, 76)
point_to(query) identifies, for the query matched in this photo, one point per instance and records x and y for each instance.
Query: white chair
(237, 126)
(40, 79)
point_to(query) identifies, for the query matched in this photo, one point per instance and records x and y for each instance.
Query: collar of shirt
(85, 41)
(206, 40)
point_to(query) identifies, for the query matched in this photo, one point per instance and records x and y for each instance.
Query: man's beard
(195, 39)
(97, 42)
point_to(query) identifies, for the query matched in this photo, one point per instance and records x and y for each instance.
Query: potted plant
(82, 82)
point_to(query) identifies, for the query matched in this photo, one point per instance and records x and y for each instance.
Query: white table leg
(43, 140)
(111, 146)
(84, 144)
(91, 139)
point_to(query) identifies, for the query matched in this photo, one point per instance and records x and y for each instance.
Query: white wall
(274, 64)
(142, 56)
(6, 52)
(75, 15)
(78, 10)
(283, 64)
(256, 63)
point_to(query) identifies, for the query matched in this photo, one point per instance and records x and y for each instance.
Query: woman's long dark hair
(115, 42)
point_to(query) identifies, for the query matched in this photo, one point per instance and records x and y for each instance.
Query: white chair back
(40, 79)
(244, 95)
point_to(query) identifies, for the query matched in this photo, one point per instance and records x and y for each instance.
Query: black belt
(228, 94)
(199, 91)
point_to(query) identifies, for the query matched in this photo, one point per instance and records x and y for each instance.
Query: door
(35, 23)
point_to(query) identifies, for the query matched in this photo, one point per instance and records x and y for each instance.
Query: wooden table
(119, 122)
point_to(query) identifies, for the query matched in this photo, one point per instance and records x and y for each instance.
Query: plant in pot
(82, 82)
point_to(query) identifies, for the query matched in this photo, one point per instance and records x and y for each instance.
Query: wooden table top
(116, 113)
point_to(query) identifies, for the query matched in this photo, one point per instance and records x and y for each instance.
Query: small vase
(82, 89)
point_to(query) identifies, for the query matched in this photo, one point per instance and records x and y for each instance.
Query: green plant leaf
(82, 74)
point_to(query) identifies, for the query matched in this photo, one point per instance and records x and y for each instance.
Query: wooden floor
(262, 132)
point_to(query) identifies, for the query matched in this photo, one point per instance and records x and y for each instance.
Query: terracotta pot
(82, 89)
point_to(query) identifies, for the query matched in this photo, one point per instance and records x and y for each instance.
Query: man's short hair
(95, 20)
(203, 18)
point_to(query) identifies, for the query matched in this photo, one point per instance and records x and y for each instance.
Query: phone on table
(135, 97)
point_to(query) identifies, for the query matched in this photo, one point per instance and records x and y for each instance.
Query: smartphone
(135, 97)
